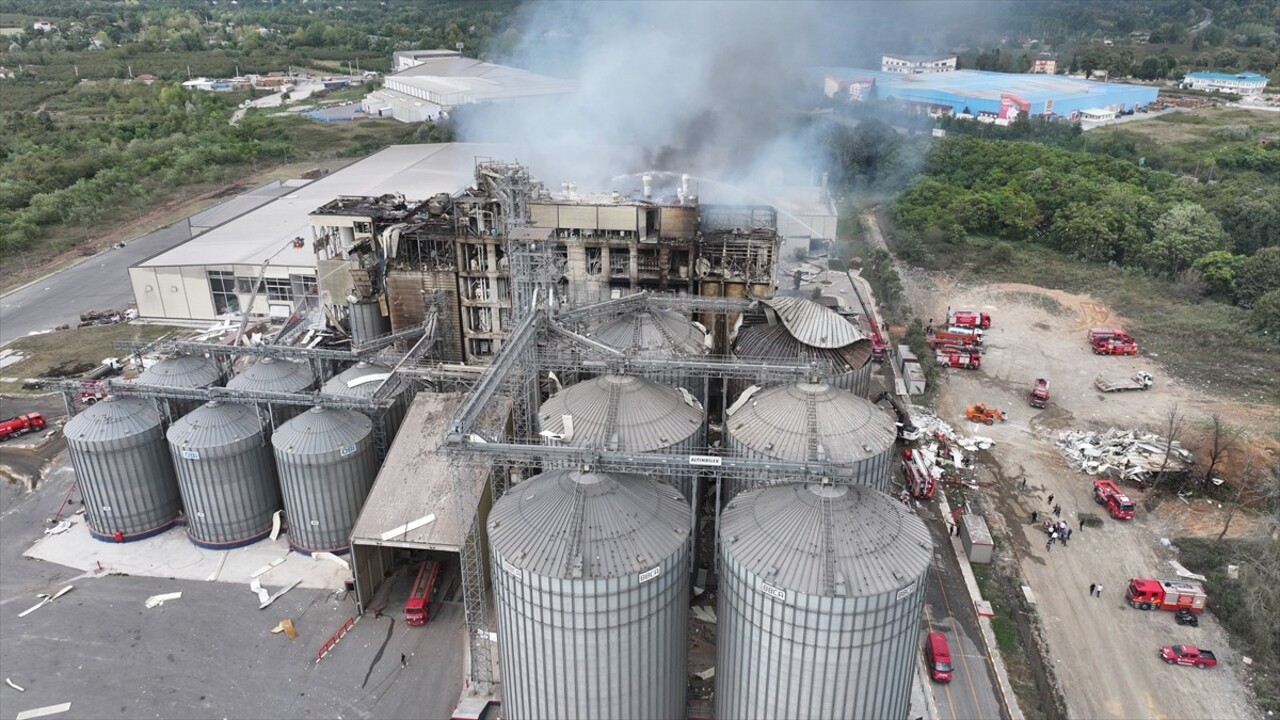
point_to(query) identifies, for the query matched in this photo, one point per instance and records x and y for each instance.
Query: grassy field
(65, 352)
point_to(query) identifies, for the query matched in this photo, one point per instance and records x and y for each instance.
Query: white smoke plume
(700, 86)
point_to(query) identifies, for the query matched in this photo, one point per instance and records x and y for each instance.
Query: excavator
(980, 413)
(907, 432)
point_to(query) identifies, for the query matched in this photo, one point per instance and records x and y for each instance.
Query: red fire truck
(1149, 594)
(920, 478)
(1117, 503)
(417, 609)
(969, 319)
(21, 425)
(956, 357)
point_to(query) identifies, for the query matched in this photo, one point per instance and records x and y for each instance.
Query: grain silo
(272, 375)
(821, 590)
(794, 328)
(625, 413)
(591, 592)
(326, 463)
(227, 474)
(812, 422)
(184, 372)
(123, 469)
(362, 381)
(656, 334)
(367, 321)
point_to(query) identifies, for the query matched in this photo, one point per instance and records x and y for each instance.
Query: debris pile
(1132, 455)
(944, 451)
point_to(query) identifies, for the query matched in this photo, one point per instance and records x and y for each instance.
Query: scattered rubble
(944, 450)
(1132, 455)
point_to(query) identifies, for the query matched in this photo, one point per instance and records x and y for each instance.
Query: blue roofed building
(993, 96)
(1245, 83)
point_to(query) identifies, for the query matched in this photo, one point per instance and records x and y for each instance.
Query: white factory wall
(183, 293)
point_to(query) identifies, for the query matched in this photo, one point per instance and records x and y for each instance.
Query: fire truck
(1040, 393)
(969, 319)
(964, 337)
(1149, 594)
(1116, 346)
(920, 478)
(21, 425)
(1117, 503)
(958, 357)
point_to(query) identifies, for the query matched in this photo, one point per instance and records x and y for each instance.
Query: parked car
(1188, 655)
(938, 656)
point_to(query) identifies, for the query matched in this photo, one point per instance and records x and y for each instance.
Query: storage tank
(361, 381)
(272, 375)
(123, 469)
(794, 328)
(226, 473)
(812, 422)
(188, 372)
(625, 413)
(367, 321)
(326, 463)
(821, 590)
(591, 592)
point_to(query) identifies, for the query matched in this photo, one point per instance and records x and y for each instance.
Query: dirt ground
(1102, 651)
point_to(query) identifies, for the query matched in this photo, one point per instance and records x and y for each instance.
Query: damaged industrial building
(587, 407)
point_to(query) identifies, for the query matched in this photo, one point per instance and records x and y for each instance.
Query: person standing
(1034, 516)
(404, 661)
(1050, 499)
(1082, 524)
(1092, 587)
(1098, 591)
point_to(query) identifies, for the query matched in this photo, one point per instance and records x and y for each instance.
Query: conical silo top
(812, 422)
(215, 424)
(182, 371)
(272, 375)
(321, 430)
(823, 539)
(348, 382)
(113, 418)
(622, 412)
(652, 333)
(578, 524)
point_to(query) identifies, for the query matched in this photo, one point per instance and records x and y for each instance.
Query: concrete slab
(171, 555)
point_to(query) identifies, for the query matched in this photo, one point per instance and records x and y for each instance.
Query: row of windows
(227, 288)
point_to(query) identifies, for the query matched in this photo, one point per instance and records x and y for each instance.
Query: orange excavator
(980, 413)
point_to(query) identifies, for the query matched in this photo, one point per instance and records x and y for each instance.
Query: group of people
(1056, 528)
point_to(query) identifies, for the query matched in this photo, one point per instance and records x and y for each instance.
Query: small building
(976, 538)
(917, 64)
(146, 79)
(1097, 115)
(1244, 83)
(1044, 64)
(43, 26)
(5, 73)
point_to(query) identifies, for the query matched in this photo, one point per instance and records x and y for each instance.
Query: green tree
(1252, 222)
(1258, 276)
(1086, 232)
(1183, 233)
(1265, 316)
(1219, 268)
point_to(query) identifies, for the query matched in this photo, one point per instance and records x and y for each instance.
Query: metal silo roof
(586, 525)
(113, 418)
(621, 412)
(813, 324)
(652, 333)
(775, 342)
(320, 431)
(272, 375)
(183, 371)
(831, 540)
(805, 422)
(214, 425)
(340, 384)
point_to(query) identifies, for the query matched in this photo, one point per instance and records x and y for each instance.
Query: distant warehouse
(993, 96)
(1245, 83)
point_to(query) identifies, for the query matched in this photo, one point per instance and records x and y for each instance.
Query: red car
(1188, 655)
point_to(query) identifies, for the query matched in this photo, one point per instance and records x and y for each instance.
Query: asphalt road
(209, 654)
(100, 282)
(948, 609)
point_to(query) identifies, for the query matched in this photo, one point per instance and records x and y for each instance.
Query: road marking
(41, 712)
(977, 704)
(946, 687)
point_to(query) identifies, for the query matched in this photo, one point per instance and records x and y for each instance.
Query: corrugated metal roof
(775, 342)
(653, 334)
(321, 430)
(813, 324)
(272, 375)
(805, 538)
(781, 422)
(571, 524)
(113, 418)
(416, 480)
(621, 412)
(215, 424)
(183, 371)
(339, 384)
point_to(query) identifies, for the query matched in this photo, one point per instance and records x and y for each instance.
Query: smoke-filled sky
(705, 87)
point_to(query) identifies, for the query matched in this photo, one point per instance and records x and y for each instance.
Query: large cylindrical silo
(821, 590)
(186, 372)
(625, 413)
(326, 463)
(272, 375)
(367, 321)
(227, 474)
(654, 334)
(591, 592)
(361, 381)
(812, 422)
(123, 469)
(795, 328)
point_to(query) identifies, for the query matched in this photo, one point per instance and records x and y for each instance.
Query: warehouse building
(1245, 83)
(998, 97)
